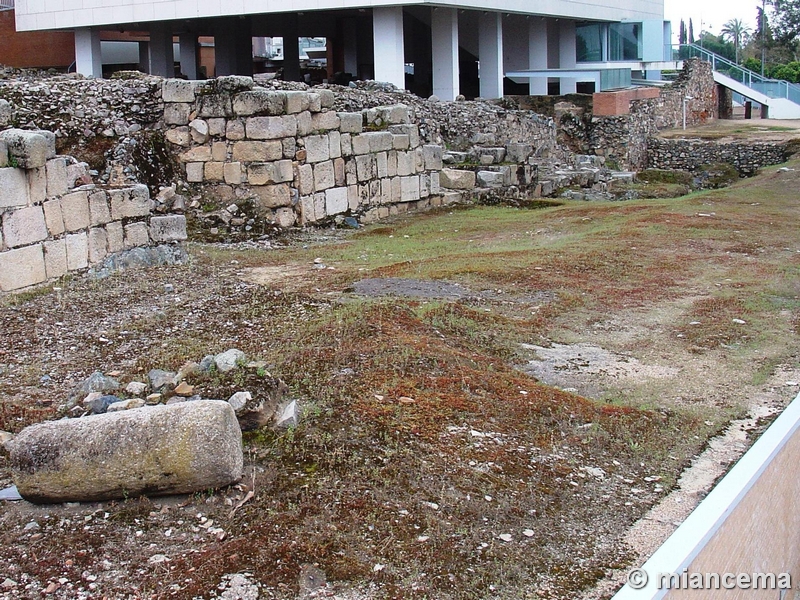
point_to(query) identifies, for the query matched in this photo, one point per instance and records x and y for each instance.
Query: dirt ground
(498, 403)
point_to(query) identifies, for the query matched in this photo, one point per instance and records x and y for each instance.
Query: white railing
(6, 4)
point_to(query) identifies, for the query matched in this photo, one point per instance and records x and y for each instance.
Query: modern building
(446, 48)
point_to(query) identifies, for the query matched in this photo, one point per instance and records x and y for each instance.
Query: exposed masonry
(54, 221)
(294, 156)
(690, 155)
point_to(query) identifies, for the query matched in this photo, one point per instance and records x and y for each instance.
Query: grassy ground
(421, 443)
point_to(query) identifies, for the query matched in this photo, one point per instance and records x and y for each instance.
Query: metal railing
(6, 4)
(772, 88)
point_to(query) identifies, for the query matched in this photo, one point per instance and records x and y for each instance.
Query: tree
(691, 31)
(736, 32)
(787, 20)
(682, 33)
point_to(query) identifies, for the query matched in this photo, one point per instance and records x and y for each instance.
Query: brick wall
(54, 221)
(41, 49)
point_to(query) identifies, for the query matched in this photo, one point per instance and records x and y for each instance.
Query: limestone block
(215, 105)
(455, 179)
(363, 196)
(305, 124)
(518, 153)
(115, 235)
(75, 208)
(396, 190)
(260, 173)
(26, 149)
(129, 453)
(55, 258)
(338, 171)
(136, 234)
(489, 156)
(50, 138)
(77, 251)
(289, 147)
(259, 102)
(177, 113)
(177, 90)
(347, 144)
(350, 172)
(232, 173)
(314, 102)
(271, 128)
(351, 122)
(365, 167)
(382, 164)
(319, 206)
(380, 141)
(285, 217)
(198, 129)
(219, 151)
(317, 148)
(325, 121)
(419, 160)
(361, 144)
(307, 210)
(435, 185)
(234, 130)
(296, 102)
(304, 180)
(406, 163)
(412, 131)
(37, 185)
(214, 171)
(194, 172)
(53, 216)
(3, 154)
(352, 197)
(490, 179)
(198, 154)
(391, 163)
(273, 196)
(22, 268)
(179, 136)
(130, 202)
(282, 171)
(24, 226)
(99, 213)
(168, 228)
(324, 176)
(335, 144)
(57, 182)
(409, 188)
(424, 185)
(336, 201)
(400, 142)
(326, 98)
(232, 84)
(216, 126)
(257, 151)
(432, 155)
(98, 245)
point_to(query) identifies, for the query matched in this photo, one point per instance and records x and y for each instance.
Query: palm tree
(736, 31)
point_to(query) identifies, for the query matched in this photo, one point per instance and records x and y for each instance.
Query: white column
(567, 54)
(490, 51)
(444, 46)
(162, 58)
(88, 60)
(188, 43)
(387, 31)
(537, 54)
(350, 34)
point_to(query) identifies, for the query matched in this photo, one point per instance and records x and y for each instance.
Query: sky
(712, 13)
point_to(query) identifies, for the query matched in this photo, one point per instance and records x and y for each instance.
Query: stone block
(304, 179)
(394, 115)
(75, 209)
(455, 179)
(406, 163)
(336, 201)
(490, 179)
(273, 196)
(347, 144)
(234, 130)
(285, 217)
(24, 226)
(136, 234)
(488, 156)
(307, 210)
(168, 228)
(233, 84)
(352, 197)
(115, 236)
(260, 173)
(271, 128)
(77, 251)
(360, 144)
(22, 268)
(419, 160)
(350, 172)
(219, 151)
(381, 165)
(400, 142)
(412, 131)
(194, 172)
(215, 105)
(257, 151)
(50, 138)
(351, 122)
(37, 185)
(365, 167)
(198, 154)
(435, 185)
(214, 171)
(338, 171)
(55, 258)
(314, 102)
(325, 121)
(282, 171)
(179, 136)
(233, 173)
(305, 124)
(319, 206)
(177, 90)
(391, 163)
(380, 141)
(130, 202)
(177, 113)
(409, 188)
(259, 102)
(432, 156)
(127, 453)
(424, 185)
(3, 154)
(53, 216)
(26, 149)
(98, 245)
(518, 153)
(216, 126)
(335, 144)
(326, 98)
(198, 130)
(317, 148)
(57, 182)
(324, 176)
(289, 147)
(296, 101)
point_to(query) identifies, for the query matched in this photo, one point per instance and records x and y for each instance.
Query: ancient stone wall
(54, 221)
(690, 155)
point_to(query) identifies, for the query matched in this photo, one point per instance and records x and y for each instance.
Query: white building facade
(436, 48)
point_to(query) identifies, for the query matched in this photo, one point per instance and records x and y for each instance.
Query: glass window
(625, 41)
(589, 41)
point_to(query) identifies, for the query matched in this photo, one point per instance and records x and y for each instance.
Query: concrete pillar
(567, 54)
(387, 32)
(444, 46)
(188, 43)
(162, 58)
(537, 53)
(144, 56)
(291, 48)
(490, 54)
(233, 47)
(88, 60)
(350, 35)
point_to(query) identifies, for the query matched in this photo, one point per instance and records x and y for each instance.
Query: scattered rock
(5, 437)
(96, 382)
(206, 363)
(289, 416)
(137, 388)
(159, 380)
(126, 405)
(184, 389)
(238, 587)
(154, 398)
(229, 360)
(311, 578)
(239, 401)
(97, 403)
